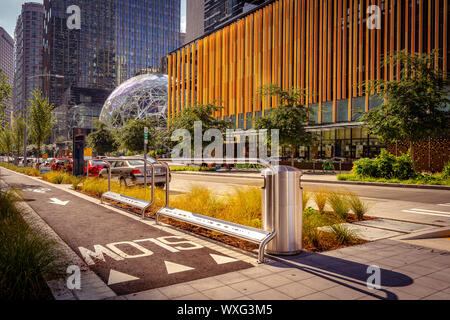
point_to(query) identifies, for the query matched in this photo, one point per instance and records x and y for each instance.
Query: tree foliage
(41, 120)
(7, 141)
(5, 92)
(132, 134)
(18, 129)
(204, 113)
(290, 117)
(102, 140)
(415, 106)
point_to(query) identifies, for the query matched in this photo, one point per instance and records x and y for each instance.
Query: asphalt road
(128, 255)
(430, 196)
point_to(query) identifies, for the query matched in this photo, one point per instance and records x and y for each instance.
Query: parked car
(94, 166)
(132, 172)
(62, 164)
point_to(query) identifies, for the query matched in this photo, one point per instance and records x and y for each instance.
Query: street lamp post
(25, 116)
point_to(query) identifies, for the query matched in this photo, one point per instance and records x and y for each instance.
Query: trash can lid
(279, 169)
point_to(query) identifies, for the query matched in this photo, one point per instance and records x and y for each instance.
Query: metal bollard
(282, 209)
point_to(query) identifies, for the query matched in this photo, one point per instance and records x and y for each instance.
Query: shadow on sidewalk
(349, 274)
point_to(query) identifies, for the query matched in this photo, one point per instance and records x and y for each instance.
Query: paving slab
(393, 225)
(367, 233)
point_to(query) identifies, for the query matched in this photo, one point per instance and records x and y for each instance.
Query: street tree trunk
(292, 156)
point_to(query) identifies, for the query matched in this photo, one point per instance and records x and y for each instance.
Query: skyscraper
(116, 40)
(218, 12)
(146, 30)
(7, 62)
(195, 16)
(28, 64)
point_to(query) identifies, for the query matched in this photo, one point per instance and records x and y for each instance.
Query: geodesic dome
(138, 98)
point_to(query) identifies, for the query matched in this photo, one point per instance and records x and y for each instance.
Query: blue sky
(10, 10)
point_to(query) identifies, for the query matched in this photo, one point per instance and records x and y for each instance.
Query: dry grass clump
(339, 204)
(320, 198)
(359, 207)
(243, 206)
(58, 177)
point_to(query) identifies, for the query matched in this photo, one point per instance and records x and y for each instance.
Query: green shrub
(403, 167)
(25, 256)
(339, 204)
(385, 163)
(446, 171)
(365, 168)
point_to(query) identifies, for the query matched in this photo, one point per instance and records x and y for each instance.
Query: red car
(62, 164)
(95, 166)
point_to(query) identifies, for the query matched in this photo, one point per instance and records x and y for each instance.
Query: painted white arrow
(58, 202)
(222, 259)
(119, 277)
(175, 267)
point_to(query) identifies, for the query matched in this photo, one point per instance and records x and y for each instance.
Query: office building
(7, 65)
(195, 16)
(28, 55)
(218, 12)
(323, 47)
(116, 40)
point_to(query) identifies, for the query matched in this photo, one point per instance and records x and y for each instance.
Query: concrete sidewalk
(407, 272)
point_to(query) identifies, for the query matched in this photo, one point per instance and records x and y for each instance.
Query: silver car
(131, 172)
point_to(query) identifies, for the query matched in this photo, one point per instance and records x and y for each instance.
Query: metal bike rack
(257, 236)
(137, 203)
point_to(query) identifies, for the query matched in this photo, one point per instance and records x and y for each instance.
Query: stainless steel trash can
(282, 209)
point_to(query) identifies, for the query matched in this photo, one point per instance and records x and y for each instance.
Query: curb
(380, 184)
(375, 184)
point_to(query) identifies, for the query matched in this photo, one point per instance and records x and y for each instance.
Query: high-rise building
(146, 30)
(7, 63)
(116, 40)
(195, 16)
(328, 49)
(218, 12)
(28, 63)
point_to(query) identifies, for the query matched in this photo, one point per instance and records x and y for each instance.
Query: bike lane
(128, 255)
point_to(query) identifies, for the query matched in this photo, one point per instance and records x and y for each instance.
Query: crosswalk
(431, 212)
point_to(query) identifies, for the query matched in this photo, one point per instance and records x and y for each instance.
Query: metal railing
(210, 161)
(109, 160)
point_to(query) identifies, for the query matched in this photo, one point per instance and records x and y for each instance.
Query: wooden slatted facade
(322, 46)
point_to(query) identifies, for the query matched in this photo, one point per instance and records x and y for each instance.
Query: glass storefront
(345, 143)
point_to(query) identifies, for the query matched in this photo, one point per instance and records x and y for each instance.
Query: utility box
(282, 209)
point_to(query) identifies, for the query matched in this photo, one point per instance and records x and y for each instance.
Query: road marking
(432, 211)
(119, 277)
(176, 268)
(38, 190)
(222, 259)
(58, 202)
(427, 213)
(444, 204)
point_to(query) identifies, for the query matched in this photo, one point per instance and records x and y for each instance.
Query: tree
(132, 134)
(203, 113)
(102, 140)
(414, 106)
(290, 118)
(41, 120)
(6, 141)
(18, 129)
(5, 92)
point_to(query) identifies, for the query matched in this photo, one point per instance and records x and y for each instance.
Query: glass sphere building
(140, 97)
